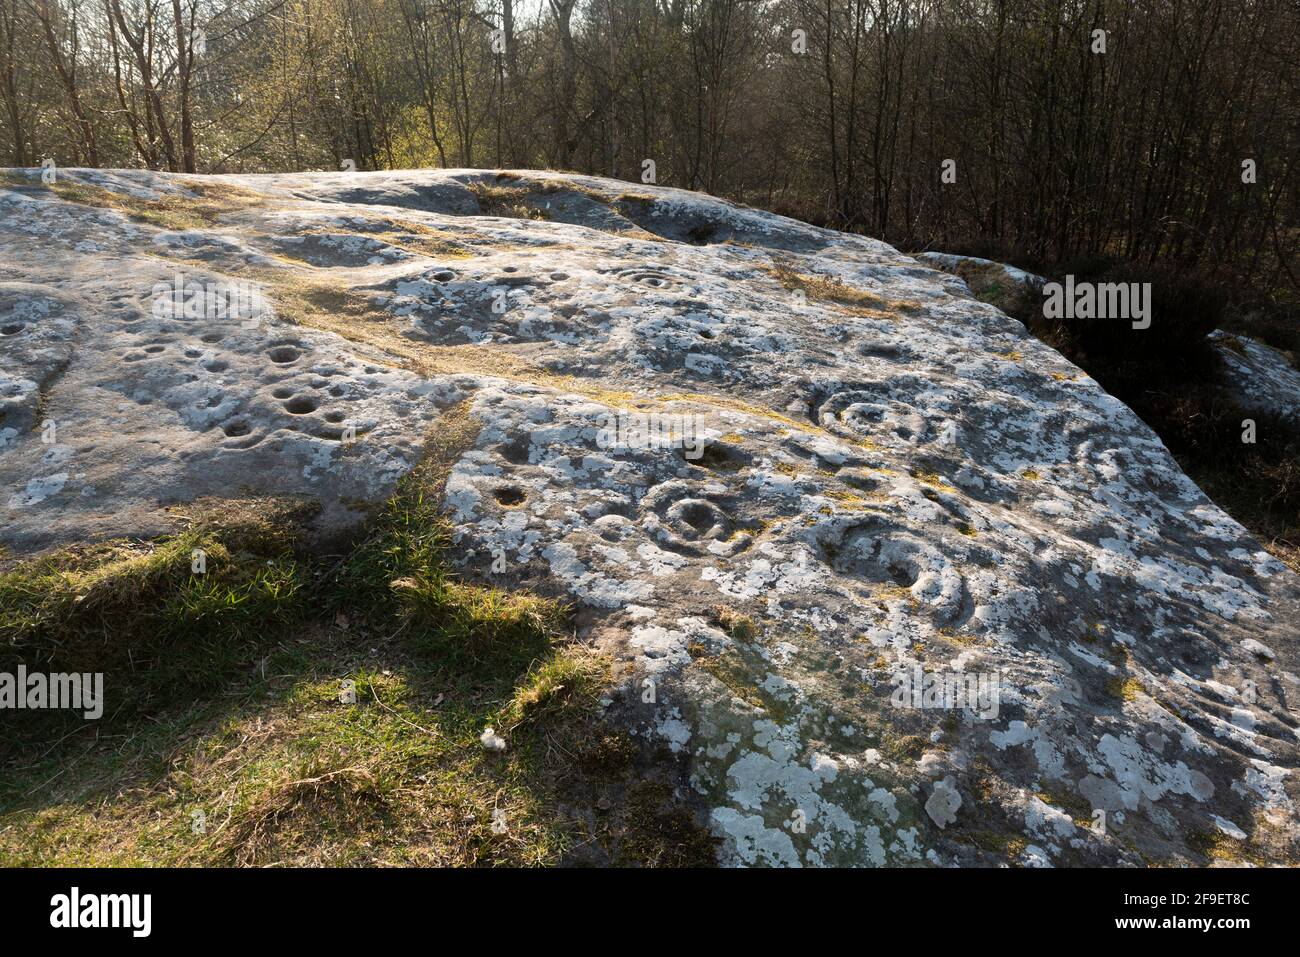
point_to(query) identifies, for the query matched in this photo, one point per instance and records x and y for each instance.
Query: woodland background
(1061, 152)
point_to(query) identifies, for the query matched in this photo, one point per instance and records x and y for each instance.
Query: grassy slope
(225, 740)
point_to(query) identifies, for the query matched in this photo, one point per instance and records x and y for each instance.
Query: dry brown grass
(173, 211)
(415, 238)
(330, 305)
(846, 298)
(509, 201)
(736, 624)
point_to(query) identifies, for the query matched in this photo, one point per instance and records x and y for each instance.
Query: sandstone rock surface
(1005, 286)
(1258, 376)
(897, 483)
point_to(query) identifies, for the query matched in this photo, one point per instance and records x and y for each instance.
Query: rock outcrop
(893, 581)
(1011, 289)
(1258, 377)
(1255, 375)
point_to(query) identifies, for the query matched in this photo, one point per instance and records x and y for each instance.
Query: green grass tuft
(138, 612)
